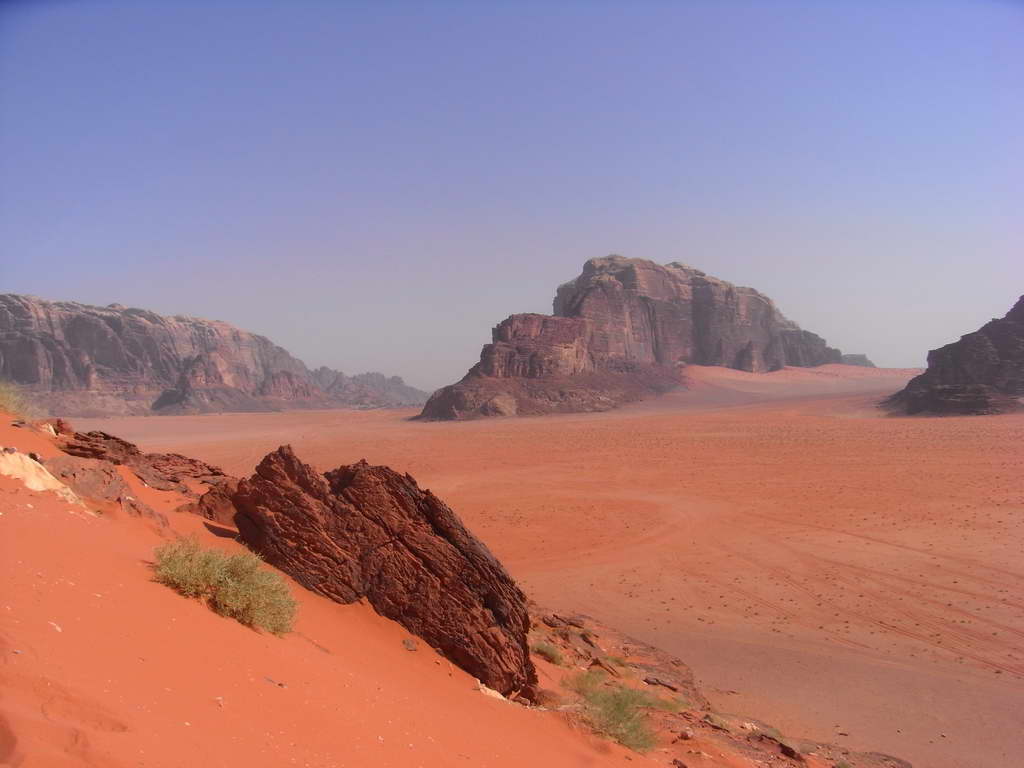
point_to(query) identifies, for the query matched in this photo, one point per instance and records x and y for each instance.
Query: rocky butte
(981, 373)
(76, 359)
(620, 331)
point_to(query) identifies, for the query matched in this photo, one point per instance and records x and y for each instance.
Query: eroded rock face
(365, 531)
(981, 373)
(630, 325)
(163, 471)
(77, 359)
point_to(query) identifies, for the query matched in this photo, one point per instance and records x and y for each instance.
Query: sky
(374, 185)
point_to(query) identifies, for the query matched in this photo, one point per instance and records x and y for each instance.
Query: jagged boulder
(364, 531)
(981, 373)
(621, 331)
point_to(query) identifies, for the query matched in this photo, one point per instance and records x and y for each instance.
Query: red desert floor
(847, 576)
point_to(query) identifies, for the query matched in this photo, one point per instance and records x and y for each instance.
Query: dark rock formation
(620, 331)
(163, 471)
(99, 481)
(94, 361)
(983, 372)
(861, 360)
(363, 531)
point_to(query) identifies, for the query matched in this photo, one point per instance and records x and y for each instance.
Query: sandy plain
(846, 575)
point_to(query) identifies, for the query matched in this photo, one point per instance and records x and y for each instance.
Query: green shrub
(548, 651)
(616, 711)
(232, 585)
(13, 401)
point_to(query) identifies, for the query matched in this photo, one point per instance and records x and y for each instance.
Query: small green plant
(548, 651)
(616, 711)
(13, 401)
(232, 585)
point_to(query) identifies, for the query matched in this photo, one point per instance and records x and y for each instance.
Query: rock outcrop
(76, 359)
(861, 360)
(981, 373)
(99, 481)
(362, 531)
(620, 331)
(162, 471)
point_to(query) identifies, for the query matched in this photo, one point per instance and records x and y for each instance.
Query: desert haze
(846, 575)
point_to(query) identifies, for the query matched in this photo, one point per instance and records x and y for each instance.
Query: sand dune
(846, 575)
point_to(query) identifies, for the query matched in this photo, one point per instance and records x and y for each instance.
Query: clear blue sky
(375, 184)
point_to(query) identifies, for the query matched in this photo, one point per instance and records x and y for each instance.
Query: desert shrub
(232, 585)
(615, 711)
(13, 401)
(548, 651)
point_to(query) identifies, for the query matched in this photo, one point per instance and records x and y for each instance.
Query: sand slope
(847, 575)
(103, 667)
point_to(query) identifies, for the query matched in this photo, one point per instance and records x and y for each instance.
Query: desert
(511, 384)
(818, 563)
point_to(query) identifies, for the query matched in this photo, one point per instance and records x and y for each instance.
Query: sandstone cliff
(983, 372)
(77, 359)
(620, 331)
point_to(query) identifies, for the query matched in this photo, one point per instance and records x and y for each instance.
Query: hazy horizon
(374, 187)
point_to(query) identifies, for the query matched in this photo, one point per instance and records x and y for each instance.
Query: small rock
(686, 734)
(409, 644)
(9, 449)
(677, 763)
(607, 667)
(662, 683)
(790, 751)
(35, 457)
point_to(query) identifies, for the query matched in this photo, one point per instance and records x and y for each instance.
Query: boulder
(364, 531)
(982, 373)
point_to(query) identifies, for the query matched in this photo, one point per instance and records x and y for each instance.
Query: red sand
(848, 576)
(103, 667)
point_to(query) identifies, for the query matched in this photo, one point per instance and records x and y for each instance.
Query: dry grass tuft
(232, 585)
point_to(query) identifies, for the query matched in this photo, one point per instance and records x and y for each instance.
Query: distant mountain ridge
(81, 360)
(621, 331)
